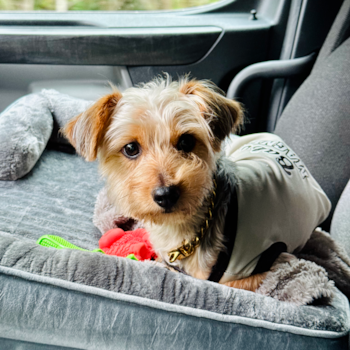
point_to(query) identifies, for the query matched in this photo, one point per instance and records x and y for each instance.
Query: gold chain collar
(188, 247)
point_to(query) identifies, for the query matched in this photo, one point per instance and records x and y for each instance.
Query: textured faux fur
(310, 275)
(323, 250)
(297, 281)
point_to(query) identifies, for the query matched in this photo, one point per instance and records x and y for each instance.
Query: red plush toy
(123, 243)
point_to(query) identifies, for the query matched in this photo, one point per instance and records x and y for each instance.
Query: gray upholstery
(57, 198)
(316, 123)
(339, 32)
(9, 344)
(88, 300)
(25, 128)
(340, 228)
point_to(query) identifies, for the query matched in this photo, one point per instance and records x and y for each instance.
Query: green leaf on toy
(132, 257)
(60, 243)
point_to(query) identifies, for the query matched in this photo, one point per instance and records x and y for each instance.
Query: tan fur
(86, 131)
(155, 116)
(251, 283)
(226, 115)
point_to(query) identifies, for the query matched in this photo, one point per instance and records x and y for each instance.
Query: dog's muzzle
(166, 197)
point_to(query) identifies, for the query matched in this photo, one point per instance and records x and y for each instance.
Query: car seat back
(316, 121)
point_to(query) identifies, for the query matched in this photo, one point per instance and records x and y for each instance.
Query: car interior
(286, 61)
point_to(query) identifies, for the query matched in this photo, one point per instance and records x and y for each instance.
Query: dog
(218, 213)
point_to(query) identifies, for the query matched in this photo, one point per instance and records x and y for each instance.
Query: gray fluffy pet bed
(28, 125)
(55, 193)
(88, 300)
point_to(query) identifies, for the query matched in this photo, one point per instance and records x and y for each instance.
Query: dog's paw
(251, 283)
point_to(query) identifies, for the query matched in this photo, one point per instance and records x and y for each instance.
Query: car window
(99, 5)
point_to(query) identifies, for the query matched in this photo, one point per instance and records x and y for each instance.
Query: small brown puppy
(159, 148)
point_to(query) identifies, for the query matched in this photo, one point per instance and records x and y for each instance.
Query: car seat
(47, 310)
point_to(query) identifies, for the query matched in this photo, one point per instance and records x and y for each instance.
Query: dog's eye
(186, 143)
(131, 150)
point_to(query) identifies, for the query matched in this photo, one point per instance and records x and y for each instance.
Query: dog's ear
(86, 131)
(224, 115)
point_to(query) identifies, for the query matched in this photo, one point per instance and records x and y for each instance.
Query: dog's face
(157, 145)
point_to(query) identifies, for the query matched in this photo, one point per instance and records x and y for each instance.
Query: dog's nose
(166, 197)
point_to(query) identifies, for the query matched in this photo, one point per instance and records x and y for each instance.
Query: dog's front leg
(251, 283)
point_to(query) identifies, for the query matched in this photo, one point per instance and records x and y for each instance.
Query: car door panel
(74, 50)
